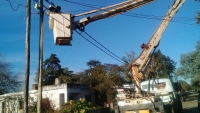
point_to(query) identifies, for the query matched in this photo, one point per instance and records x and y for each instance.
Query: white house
(58, 94)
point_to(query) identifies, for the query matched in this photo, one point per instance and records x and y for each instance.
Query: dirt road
(190, 107)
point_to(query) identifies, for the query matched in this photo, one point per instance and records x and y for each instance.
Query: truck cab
(166, 91)
(159, 87)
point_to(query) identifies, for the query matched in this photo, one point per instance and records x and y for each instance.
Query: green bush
(81, 106)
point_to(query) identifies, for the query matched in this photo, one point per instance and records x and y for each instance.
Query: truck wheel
(184, 99)
(168, 109)
(173, 110)
(198, 105)
(116, 109)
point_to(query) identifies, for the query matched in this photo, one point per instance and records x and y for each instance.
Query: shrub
(47, 107)
(81, 106)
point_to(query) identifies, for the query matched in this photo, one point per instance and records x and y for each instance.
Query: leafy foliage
(52, 69)
(9, 81)
(128, 59)
(81, 106)
(93, 63)
(190, 66)
(130, 56)
(198, 17)
(161, 65)
(184, 85)
(101, 79)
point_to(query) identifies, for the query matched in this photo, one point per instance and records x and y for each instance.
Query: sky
(119, 34)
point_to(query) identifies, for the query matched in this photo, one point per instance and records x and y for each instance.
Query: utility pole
(27, 67)
(39, 100)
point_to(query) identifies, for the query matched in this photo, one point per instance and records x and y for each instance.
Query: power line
(83, 4)
(12, 6)
(74, 50)
(98, 47)
(155, 18)
(102, 46)
(18, 7)
(134, 14)
(98, 43)
(131, 15)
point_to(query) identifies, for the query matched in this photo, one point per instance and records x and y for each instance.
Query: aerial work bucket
(61, 25)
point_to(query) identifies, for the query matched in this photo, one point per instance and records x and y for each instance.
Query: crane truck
(146, 96)
(159, 95)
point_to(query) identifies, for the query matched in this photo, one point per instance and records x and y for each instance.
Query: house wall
(57, 94)
(11, 103)
(77, 91)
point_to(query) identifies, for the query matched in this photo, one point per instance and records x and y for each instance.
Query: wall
(57, 94)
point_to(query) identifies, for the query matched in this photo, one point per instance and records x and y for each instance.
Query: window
(21, 105)
(3, 106)
(69, 85)
(88, 98)
(71, 97)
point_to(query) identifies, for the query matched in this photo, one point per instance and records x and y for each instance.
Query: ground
(190, 107)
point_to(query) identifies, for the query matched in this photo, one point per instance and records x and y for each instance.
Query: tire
(184, 99)
(177, 106)
(116, 109)
(168, 108)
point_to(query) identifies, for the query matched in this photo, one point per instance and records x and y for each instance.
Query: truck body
(159, 97)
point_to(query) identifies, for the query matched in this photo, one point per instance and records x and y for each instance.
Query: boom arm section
(63, 24)
(112, 10)
(137, 66)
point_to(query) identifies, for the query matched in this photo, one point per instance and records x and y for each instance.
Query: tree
(128, 59)
(51, 70)
(52, 66)
(198, 15)
(161, 65)
(184, 85)
(190, 66)
(93, 63)
(9, 81)
(66, 76)
(130, 56)
(101, 79)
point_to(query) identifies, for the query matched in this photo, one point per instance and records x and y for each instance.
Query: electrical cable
(98, 47)
(74, 50)
(82, 30)
(82, 4)
(140, 15)
(12, 6)
(153, 18)
(102, 45)
(79, 34)
(18, 7)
